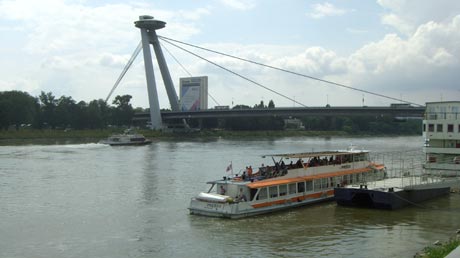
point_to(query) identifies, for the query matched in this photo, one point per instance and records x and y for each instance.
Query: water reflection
(149, 171)
(89, 200)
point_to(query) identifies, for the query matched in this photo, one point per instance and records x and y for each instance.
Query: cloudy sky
(407, 49)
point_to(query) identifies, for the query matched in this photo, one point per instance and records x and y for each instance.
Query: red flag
(229, 168)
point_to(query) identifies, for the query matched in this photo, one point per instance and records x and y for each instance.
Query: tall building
(194, 93)
(441, 130)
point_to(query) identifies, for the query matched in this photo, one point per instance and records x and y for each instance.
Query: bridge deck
(413, 112)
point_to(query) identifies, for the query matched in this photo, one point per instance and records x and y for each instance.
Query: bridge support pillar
(148, 27)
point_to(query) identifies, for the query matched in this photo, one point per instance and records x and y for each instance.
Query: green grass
(442, 250)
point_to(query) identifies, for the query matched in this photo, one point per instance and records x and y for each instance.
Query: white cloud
(325, 9)
(239, 4)
(77, 50)
(407, 15)
(427, 61)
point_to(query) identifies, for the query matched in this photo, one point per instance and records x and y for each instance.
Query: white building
(441, 130)
(194, 93)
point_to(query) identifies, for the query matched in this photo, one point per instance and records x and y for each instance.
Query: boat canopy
(316, 154)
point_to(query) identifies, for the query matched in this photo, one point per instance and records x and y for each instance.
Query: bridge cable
(183, 68)
(291, 72)
(230, 71)
(125, 69)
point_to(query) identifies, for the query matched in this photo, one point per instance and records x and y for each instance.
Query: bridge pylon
(148, 26)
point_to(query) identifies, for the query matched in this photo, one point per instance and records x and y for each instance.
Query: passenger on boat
(299, 163)
(250, 172)
(222, 190)
(282, 165)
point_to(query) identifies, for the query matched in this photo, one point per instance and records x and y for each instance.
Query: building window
(424, 127)
(431, 128)
(439, 128)
(450, 128)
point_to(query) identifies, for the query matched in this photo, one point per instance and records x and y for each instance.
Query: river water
(92, 200)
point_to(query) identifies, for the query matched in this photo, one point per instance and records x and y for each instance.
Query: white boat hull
(244, 209)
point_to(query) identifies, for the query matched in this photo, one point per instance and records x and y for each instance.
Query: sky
(404, 49)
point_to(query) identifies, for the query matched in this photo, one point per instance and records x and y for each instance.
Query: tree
(98, 114)
(65, 110)
(17, 107)
(271, 104)
(123, 112)
(261, 105)
(48, 105)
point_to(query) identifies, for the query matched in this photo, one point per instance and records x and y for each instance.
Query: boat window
(283, 190)
(273, 191)
(324, 183)
(262, 194)
(317, 184)
(301, 187)
(211, 187)
(292, 188)
(309, 185)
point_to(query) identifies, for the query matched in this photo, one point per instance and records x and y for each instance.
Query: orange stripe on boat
(272, 182)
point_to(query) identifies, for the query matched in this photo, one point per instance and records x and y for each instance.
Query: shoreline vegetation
(440, 249)
(50, 136)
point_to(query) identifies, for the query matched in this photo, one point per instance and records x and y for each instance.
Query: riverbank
(442, 249)
(49, 136)
(35, 134)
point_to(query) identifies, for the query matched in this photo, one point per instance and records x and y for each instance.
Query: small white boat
(129, 137)
(309, 178)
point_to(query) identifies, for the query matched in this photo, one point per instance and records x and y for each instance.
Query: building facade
(194, 93)
(441, 130)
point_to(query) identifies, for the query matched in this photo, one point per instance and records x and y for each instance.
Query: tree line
(20, 109)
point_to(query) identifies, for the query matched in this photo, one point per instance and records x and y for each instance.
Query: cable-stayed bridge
(148, 26)
(396, 112)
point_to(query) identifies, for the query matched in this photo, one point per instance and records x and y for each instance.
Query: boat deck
(405, 183)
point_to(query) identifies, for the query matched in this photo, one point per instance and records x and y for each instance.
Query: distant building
(194, 93)
(441, 130)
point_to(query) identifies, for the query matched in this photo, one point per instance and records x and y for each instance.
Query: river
(92, 200)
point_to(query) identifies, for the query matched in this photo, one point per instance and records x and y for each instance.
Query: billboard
(194, 93)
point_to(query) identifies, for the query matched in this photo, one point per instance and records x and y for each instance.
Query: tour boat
(129, 137)
(308, 178)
